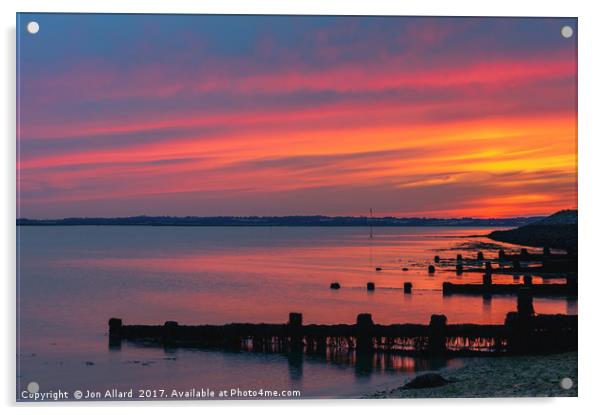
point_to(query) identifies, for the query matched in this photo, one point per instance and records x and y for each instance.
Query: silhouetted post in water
(407, 287)
(487, 280)
(519, 323)
(488, 267)
(447, 288)
(436, 342)
(169, 329)
(115, 327)
(431, 269)
(364, 329)
(501, 254)
(295, 323)
(524, 303)
(518, 332)
(437, 259)
(516, 265)
(378, 269)
(527, 280)
(524, 253)
(335, 285)
(370, 286)
(459, 268)
(115, 333)
(295, 320)
(480, 256)
(459, 258)
(546, 251)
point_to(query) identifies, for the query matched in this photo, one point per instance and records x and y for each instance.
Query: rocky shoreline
(495, 377)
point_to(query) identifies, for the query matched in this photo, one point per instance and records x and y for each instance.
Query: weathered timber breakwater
(522, 333)
(488, 288)
(557, 266)
(547, 265)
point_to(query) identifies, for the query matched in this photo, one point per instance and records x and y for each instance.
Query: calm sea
(71, 280)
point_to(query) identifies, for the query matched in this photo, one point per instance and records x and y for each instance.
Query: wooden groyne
(487, 287)
(523, 332)
(546, 264)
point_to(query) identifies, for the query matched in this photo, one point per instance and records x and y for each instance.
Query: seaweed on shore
(472, 245)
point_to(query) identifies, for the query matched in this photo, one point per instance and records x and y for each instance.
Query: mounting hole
(566, 383)
(566, 32)
(33, 387)
(33, 27)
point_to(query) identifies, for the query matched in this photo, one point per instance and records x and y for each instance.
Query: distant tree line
(275, 221)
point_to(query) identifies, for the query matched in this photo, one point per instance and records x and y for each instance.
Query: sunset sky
(122, 115)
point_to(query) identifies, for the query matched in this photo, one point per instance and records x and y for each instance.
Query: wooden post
(295, 325)
(524, 253)
(436, 342)
(501, 254)
(459, 268)
(487, 280)
(431, 269)
(480, 256)
(335, 285)
(459, 258)
(437, 259)
(546, 251)
(370, 286)
(169, 330)
(524, 303)
(364, 330)
(518, 332)
(115, 325)
(295, 320)
(407, 287)
(447, 288)
(488, 267)
(527, 280)
(516, 264)
(519, 324)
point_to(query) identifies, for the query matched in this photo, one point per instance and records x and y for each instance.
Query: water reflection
(487, 304)
(295, 365)
(71, 284)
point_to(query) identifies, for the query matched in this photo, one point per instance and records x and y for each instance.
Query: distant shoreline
(264, 226)
(290, 221)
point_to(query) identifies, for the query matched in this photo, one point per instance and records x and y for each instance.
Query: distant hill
(556, 231)
(275, 221)
(563, 217)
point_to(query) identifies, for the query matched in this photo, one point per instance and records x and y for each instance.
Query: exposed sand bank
(521, 376)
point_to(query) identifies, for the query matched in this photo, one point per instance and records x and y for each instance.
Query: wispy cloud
(447, 117)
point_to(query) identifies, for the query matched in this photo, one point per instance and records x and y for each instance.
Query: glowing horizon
(295, 115)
